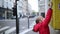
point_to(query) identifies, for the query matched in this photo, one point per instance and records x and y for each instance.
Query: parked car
(13, 17)
(2, 17)
(31, 16)
(24, 16)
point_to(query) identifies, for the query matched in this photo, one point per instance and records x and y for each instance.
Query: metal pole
(17, 20)
(28, 15)
(28, 22)
(7, 11)
(3, 32)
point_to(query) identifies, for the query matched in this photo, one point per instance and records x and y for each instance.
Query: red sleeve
(36, 28)
(48, 17)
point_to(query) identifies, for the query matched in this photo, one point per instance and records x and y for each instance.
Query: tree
(34, 12)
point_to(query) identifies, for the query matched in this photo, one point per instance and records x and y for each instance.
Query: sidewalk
(31, 32)
(27, 30)
(52, 31)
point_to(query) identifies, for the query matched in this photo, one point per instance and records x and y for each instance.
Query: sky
(34, 4)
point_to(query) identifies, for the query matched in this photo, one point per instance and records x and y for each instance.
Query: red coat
(43, 27)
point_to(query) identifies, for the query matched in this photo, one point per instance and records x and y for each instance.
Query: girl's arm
(36, 28)
(48, 17)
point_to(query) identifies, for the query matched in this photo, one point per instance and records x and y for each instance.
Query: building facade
(8, 4)
(29, 9)
(6, 8)
(23, 7)
(1, 10)
(43, 7)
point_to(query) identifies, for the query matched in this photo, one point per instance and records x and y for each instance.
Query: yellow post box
(55, 23)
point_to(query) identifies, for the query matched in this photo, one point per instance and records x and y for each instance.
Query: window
(19, 7)
(25, 0)
(21, 4)
(43, 14)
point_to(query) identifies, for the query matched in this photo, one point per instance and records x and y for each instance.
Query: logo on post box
(59, 6)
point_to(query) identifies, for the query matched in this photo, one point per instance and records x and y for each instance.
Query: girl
(41, 26)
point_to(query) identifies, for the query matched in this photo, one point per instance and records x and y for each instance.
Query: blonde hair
(50, 3)
(38, 20)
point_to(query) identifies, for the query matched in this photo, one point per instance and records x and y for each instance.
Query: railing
(3, 29)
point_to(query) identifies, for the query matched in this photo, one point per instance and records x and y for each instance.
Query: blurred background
(27, 12)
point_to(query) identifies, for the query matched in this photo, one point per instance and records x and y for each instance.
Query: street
(23, 23)
(23, 26)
